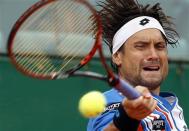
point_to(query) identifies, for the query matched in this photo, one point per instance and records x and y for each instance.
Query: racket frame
(35, 7)
(111, 78)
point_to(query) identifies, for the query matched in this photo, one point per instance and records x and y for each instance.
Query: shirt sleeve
(100, 122)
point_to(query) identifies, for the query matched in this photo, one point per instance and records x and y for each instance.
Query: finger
(148, 104)
(143, 90)
(138, 115)
(132, 103)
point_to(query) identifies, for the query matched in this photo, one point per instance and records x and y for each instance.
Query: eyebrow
(147, 41)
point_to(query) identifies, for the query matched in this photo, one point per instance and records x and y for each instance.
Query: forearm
(123, 122)
(111, 127)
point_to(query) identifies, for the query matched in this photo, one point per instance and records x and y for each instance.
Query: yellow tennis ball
(92, 104)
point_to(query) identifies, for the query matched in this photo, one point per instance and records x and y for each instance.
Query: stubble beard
(151, 83)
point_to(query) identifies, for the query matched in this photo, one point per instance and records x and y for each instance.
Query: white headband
(133, 26)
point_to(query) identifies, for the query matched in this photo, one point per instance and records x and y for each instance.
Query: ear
(116, 58)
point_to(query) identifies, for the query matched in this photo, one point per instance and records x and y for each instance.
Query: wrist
(123, 122)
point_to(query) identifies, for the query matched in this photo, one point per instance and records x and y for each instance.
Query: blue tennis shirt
(167, 116)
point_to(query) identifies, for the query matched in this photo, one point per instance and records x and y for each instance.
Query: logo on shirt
(113, 106)
(158, 124)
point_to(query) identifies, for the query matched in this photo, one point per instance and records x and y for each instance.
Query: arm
(111, 127)
(132, 111)
(122, 122)
(101, 122)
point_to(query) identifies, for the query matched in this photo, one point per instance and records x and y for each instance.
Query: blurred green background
(28, 104)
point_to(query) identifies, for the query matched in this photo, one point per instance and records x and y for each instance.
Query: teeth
(151, 68)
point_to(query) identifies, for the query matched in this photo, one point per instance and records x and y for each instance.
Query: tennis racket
(54, 39)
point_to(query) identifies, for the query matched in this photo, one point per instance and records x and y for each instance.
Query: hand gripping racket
(54, 39)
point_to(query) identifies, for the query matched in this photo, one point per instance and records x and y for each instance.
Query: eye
(161, 46)
(140, 46)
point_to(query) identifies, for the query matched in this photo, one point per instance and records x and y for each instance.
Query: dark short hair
(115, 13)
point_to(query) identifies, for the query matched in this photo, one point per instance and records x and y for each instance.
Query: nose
(152, 54)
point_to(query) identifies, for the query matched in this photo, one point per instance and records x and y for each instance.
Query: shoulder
(166, 98)
(113, 98)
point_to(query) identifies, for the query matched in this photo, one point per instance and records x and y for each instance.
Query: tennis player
(138, 36)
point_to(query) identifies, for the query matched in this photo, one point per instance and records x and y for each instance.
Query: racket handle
(128, 90)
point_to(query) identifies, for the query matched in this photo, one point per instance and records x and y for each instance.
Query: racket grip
(127, 90)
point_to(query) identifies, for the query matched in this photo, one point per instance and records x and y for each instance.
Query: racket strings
(32, 54)
(40, 57)
(37, 27)
(69, 47)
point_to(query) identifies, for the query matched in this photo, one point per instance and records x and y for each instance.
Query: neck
(156, 91)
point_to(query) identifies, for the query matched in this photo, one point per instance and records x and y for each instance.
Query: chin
(151, 83)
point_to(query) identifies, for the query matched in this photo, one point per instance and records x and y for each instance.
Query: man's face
(143, 59)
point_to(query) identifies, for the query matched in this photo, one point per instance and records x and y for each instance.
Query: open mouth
(151, 68)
